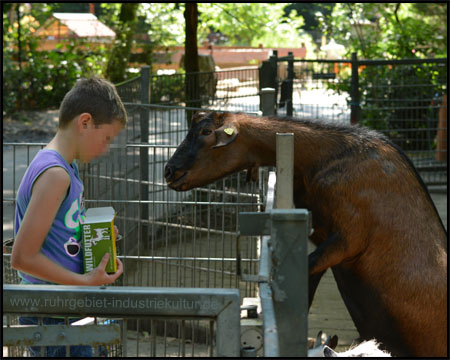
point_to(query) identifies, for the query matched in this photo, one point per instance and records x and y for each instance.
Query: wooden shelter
(66, 26)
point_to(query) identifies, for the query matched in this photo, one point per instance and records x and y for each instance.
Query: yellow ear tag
(229, 131)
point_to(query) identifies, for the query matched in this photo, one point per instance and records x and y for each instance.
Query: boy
(49, 210)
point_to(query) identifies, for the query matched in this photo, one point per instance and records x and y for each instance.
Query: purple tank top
(63, 242)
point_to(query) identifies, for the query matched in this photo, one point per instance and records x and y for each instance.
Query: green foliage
(309, 12)
(404, 100)
(119, 57)
(389, 30)
(43, 77)
(167, 89)
(267, 24)
(400, 98)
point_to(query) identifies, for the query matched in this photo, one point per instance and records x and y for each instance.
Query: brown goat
(375, 224)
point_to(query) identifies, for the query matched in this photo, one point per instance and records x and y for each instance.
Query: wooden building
(66, 26)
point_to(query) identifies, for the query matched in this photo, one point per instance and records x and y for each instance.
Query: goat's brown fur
(375, 224)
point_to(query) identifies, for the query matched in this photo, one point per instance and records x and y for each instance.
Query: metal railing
(218, 305)
(283, 268)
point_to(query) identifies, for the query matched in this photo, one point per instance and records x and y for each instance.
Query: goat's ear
(327, 352)
(225, 135)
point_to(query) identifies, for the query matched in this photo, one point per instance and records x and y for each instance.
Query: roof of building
(80, 24)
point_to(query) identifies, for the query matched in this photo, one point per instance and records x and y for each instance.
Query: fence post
(290, 104)
(285, 171)
(441, 136)
(355, 107)
(273, 61)
(143, 151)
(289, 236)
(268, 79)
(267, 101)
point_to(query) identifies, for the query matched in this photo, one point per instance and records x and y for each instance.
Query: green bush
(44, 77)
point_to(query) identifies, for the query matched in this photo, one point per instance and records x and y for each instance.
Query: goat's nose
(168, 172)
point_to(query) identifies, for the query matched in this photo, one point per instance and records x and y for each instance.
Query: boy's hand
(99, 276)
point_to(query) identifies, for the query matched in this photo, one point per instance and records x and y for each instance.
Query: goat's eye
(205, 132)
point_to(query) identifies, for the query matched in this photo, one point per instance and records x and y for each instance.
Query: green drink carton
(99, 238)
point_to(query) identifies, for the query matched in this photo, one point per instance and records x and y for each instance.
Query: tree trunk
(191, 59)
(118, 61)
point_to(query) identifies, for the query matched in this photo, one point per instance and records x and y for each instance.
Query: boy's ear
(84, 120)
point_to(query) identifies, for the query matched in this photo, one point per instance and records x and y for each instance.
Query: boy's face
(96, 139)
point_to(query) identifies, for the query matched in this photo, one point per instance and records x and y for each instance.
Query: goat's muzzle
(174, 177)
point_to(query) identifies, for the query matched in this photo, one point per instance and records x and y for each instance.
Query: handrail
(223, 305)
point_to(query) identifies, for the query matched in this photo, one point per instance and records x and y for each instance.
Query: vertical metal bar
(271, 348)
(289, 237)
(137, 336)
(193, 328)
(165, 338)
(123, 339)
(228, 337)
(183, 338)
(153, 339)
(143, 158)
(40, 323)
(211, 338)
(285, 171)
(208, 235)
(289, 107)
(273, 60)
(268, 101)
(355, 107)
(66, 322)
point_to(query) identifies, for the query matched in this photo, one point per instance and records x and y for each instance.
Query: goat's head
(205, 155)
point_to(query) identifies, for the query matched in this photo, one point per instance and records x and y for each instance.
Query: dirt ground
(30, 126)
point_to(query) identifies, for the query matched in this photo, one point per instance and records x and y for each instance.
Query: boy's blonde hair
(95, 96)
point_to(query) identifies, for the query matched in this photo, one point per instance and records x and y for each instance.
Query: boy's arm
(48, 193)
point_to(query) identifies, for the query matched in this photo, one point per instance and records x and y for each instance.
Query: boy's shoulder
(54, 178)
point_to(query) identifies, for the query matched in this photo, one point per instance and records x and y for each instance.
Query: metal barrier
(234, 89)
(283, 267)
(220, 305)
(286, 315)
(187, 240)
(401, 98)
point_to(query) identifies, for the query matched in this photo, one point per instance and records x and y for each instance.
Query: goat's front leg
(329, 253)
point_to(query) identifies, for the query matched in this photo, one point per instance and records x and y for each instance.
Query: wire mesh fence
(232, 89)
(169, 239)
(401, 98)
(188, 239)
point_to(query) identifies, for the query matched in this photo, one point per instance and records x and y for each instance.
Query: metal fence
(170, 239)
(189, 239)
(401, 98)
(234, 89)
(218, 308)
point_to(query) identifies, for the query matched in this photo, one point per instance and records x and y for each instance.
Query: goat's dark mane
(320, 124)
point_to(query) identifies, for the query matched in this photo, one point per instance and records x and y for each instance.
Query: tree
(118, 61)
(389, 30)
(191, 57)
(267, 24)
(39, 79)
(394, 31)
(311, 13)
